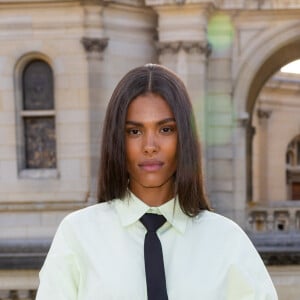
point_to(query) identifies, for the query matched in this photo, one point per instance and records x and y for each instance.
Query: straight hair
(113, 175)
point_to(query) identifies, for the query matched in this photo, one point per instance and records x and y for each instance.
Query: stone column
(263, 116)
(182, 46)
(233, 207)
(94, 43)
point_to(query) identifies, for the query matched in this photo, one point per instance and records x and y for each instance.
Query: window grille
(38, 116)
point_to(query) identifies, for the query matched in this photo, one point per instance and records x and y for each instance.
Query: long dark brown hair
(113, 176)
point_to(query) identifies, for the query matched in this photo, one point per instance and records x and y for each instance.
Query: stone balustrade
(17, 294)
(275, 217)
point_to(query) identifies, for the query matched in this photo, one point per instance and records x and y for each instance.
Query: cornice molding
(253, 5)
(24, 254)
(189, 47)
(260, 4)
(91, 2)
(181, 2)
(42, 206)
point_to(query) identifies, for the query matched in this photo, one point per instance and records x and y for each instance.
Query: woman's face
(151, 144)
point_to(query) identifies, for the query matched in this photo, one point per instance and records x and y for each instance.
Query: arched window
(293, 152)
(290, 157)
(38, 116)
(293, 169)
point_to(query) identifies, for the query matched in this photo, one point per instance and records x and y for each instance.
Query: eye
(133, 131)
(167, 129)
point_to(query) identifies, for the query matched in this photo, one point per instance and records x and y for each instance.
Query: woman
(151, 169)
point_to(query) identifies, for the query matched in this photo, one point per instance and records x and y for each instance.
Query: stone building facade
(59, 62)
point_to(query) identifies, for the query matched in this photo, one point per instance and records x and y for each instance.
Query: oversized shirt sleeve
(59, 277)
(247, 276)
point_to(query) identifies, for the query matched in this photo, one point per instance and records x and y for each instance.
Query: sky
(293, 67)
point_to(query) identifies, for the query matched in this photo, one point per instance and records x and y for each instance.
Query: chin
(152, 185)
(152, 182)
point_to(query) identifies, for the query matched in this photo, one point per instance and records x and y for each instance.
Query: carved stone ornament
(94, 44)
(243, 119)
(189, 47)
(264, 113)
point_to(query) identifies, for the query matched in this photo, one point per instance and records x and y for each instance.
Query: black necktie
(154, 262)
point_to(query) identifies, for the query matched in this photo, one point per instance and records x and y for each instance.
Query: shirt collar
(131, 209)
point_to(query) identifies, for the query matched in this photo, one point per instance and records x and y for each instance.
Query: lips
(151, 165)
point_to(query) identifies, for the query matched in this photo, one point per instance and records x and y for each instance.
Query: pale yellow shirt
(98, 254)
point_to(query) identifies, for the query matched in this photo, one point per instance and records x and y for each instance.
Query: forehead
(149, 107)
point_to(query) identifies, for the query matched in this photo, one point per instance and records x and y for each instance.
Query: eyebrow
(167, 120)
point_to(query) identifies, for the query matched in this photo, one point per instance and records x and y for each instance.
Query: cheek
(130, 151)
(172, 148)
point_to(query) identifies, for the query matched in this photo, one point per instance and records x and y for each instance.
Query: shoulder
(219, 232)
(219, 225)
(84, 224)
(98, 209)
(212, 217)
(99, 213)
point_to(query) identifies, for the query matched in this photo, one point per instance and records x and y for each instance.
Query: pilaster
(94, 43)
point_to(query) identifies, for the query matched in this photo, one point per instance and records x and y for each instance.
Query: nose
(150, 144)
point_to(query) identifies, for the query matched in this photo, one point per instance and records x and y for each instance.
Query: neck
(153, 196)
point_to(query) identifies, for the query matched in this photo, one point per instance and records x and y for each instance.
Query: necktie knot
(152, 221)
